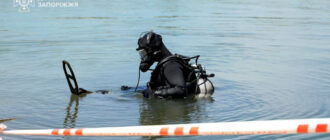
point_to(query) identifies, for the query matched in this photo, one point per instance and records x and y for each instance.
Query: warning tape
(2, 127)
(301, 126)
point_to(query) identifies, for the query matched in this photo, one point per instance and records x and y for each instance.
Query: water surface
(271, 60)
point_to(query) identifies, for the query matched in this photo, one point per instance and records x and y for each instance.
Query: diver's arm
(174, 92)
(173, 73)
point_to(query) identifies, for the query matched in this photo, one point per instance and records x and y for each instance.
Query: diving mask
(143, 54)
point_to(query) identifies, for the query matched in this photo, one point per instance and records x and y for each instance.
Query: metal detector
(70, 77)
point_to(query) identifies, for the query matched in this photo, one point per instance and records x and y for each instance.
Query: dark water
(271, 60)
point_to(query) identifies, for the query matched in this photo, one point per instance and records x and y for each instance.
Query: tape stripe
(193, 131)
(79, 132)
(55, 132)
(302, 128)
(178, 131)
(164, 131)
(66, 132)
(321, 128)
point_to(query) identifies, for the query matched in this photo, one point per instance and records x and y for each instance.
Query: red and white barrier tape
(2, 127)
(224, 128)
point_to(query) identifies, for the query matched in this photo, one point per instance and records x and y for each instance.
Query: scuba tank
(204, 86)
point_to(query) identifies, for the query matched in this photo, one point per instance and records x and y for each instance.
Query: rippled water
(271, 60)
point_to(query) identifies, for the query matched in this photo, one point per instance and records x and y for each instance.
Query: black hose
(137, 85)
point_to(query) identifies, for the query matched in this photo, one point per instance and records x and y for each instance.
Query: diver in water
(172, 77)
(169, 78)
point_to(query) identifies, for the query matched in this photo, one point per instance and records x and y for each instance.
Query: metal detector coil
(70, 77)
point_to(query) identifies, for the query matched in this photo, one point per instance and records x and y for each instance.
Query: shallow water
(271, 60)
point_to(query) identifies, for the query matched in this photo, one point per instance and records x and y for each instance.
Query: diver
(173, 76)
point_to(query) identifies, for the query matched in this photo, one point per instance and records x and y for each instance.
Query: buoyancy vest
(158, 80)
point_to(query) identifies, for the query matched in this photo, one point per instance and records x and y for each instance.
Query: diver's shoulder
(172, 64)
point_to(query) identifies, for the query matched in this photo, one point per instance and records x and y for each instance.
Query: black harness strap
(180, 59)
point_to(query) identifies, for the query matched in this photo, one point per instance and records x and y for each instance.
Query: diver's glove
(147, 92)
(124, 87)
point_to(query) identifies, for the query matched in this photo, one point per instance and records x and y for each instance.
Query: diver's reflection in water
(156, 111)
(71, 116)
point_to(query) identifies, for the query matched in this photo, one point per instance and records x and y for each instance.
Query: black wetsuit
(172, 79)
(172, 75)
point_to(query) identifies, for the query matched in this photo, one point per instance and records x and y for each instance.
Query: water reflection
(156, 111)
(72, 114)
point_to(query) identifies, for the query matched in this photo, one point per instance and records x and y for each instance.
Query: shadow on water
(72, 111)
